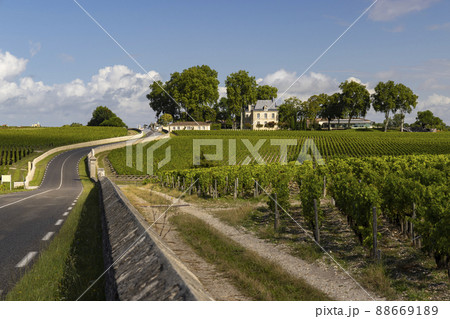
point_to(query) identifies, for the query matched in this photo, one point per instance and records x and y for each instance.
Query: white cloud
(438, 104)
(385, 10)
(307, 85)
(10, 66)
(24, 101)
(437, 100)
(222, 92)
(35, 47)
(367, 84)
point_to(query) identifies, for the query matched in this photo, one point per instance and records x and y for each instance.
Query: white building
(261, 116)
(197, 126)
(343, 123)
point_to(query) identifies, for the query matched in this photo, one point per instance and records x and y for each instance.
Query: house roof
(189, 124)
(259, 106)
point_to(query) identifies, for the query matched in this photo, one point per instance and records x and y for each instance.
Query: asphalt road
(30, 220)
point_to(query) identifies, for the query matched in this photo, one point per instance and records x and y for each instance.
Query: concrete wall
(31, 172)
(143, 268)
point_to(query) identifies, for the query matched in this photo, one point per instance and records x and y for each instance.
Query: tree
(195, 91)
(102, 116)
(160, 101)
(241, 92)
(385, 100)
(355, 99)
(331, 108)
(165, 119)
(426, 119)
(397, 120)
(310, 108)
(288, 112)
(266, 92)
(406, 101)
(113, 121)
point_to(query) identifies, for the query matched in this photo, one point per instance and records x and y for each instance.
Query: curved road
(29, 220)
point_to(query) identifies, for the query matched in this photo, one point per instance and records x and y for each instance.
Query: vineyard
(19, 143)
(236, 147)
(411, 192)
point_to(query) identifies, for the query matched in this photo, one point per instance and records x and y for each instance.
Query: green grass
(375, 277)
(252, 275)
(331, 144)
(235, 216)
(73, 260)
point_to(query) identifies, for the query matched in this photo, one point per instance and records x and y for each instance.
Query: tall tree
(241, 92)
(312, 107)
(385, 100)
(160, 101)
(222, 110)
(406, 101)
(288, 112)
(331, 108)
(266, 92)
(355, 98)
(195, 91)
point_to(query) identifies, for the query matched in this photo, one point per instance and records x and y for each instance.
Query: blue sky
(57, 65)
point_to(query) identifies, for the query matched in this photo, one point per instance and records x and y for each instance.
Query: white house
(197, 126)
(261, 116)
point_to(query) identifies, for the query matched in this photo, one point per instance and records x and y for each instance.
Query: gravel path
(330, 279)
(215, 283)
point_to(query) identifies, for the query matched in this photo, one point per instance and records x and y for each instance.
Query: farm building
(343, 123)
(197, 126)
(261, 116)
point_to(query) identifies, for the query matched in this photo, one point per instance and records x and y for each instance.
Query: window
(273, 115)
(257, 115)
(265, 115)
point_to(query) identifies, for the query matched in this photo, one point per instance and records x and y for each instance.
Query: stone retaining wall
(148, 270)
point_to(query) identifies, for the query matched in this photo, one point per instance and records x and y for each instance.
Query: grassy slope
(74, 257)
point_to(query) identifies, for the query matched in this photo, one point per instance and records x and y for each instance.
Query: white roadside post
(7, 179)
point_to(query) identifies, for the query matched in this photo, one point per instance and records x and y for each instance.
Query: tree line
(193, 94)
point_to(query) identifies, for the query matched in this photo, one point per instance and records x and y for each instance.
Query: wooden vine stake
(215, 189)
(324, 186)
(276, 224)
(374, 231)
(316, 233)
(412, 226)
(236, 187)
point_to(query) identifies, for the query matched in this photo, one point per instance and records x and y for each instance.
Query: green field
(331, 144)
(20, 145)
